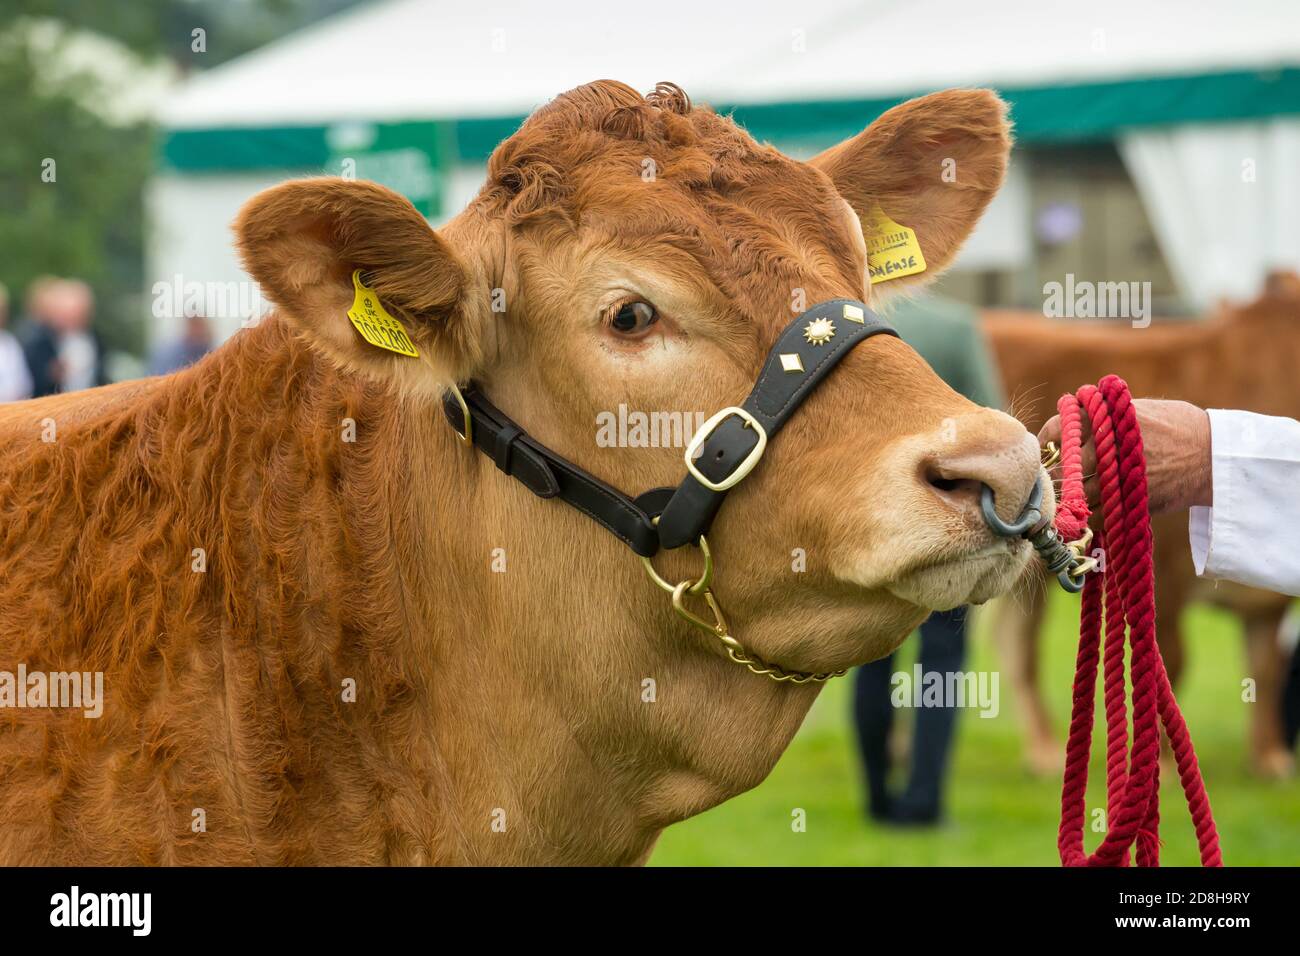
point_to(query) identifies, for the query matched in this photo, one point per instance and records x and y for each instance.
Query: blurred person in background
(194, 343)
(15, 380)
(38, 336)
(32, 329)
(63, 351)
(38, 297)
(948, 337)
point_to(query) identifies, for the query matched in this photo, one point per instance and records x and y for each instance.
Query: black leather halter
(726, 448)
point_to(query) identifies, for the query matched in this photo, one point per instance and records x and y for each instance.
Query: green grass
(997, 814)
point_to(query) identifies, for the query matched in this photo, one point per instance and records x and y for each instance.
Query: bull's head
(638, 252)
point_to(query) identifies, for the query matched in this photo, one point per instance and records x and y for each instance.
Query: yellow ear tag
(892, 249)
(375, 325)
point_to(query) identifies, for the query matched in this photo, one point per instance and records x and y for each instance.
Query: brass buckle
(468, 435)
(744, 468)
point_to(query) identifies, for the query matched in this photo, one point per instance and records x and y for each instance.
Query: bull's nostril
(992, 461)
(953, 489)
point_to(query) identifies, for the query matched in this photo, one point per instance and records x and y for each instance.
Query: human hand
(1176, 439)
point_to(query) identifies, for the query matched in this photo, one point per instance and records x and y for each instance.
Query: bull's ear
(931, 164)
(303, 240)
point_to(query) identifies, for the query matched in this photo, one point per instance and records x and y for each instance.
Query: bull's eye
(633, 318)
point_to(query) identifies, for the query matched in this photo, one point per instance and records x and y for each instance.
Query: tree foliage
(73, 180)
(71, 205)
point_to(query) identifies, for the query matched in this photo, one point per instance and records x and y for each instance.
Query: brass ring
(697, 587)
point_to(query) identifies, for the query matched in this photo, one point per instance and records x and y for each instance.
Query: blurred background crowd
(1158, 146)
(56, 347)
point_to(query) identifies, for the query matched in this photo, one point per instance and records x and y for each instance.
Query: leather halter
(723, 451)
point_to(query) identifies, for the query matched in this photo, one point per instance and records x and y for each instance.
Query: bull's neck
(584, 714)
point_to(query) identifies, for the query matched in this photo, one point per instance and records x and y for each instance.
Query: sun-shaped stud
(819, 331)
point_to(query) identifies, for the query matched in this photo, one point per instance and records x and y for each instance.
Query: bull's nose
(997, 452)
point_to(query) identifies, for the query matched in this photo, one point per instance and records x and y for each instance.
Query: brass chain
(700, 587)
(735, 650)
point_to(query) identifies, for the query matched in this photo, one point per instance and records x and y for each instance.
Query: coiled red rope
(1123, 594)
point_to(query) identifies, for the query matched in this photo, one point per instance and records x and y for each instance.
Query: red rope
(1123, 595)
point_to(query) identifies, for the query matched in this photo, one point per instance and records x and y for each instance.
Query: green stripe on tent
(408, 157)
(228, 149)
(1061, 114)
(1053, 114)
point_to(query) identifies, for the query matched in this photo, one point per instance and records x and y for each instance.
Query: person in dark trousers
(948, 337)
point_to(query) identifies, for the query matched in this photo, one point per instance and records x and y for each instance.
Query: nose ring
(1030, 516)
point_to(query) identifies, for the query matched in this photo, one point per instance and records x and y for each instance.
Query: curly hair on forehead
(610, 123)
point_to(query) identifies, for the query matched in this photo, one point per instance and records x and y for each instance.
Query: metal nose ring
(1030, 516)
(1066, 561)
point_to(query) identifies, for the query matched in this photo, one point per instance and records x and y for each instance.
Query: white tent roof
(433, 59)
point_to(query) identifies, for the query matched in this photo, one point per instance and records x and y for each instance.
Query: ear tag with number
(375, 324)
(892, 249)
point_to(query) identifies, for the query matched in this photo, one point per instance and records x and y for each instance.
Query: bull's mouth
(972, 577)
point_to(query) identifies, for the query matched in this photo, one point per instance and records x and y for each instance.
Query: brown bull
(329, 633)
(1241, 357)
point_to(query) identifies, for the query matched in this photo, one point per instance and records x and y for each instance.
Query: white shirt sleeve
(1251, 535)
(15, 380)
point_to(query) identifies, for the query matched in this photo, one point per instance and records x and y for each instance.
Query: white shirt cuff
(1252, 533)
